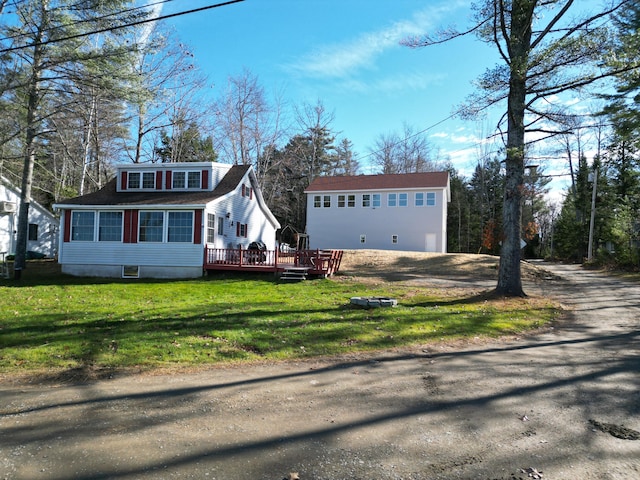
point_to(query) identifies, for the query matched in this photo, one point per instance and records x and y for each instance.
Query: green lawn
(61, 322)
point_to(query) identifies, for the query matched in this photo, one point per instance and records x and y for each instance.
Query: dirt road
(503, 410)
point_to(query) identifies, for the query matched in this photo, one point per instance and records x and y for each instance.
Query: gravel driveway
(538, 407)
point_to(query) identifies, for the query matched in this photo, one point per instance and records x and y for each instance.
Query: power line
(119, 27)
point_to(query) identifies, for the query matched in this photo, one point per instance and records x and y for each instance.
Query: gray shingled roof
(379, 182)
(109, 196)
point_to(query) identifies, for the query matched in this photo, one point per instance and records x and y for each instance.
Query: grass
(60, 322)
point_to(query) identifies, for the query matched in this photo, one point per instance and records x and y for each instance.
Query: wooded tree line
(75, 102)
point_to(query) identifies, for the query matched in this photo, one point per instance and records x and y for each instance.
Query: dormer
(162, 177)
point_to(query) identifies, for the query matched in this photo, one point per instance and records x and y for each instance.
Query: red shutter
(67, 225)
(123, 181)
(243, 189)
(246, 230)
(251, 193)
(159, 180)
(237, 229)
(130, 226)
(205, 179)
(168, 185)
(197, 227)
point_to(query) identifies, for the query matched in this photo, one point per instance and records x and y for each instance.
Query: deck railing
(318, 262)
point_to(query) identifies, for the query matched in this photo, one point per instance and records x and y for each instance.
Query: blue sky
(346, 53)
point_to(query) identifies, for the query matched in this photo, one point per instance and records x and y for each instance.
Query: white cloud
(341, 60)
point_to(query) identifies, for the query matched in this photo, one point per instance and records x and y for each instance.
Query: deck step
(294, 273)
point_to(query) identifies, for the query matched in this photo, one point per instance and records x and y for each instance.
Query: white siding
(344, 227)
(47, 242)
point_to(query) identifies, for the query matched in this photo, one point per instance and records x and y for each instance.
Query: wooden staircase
(294, 274)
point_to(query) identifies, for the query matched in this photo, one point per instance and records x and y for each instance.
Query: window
(419, 199)
(151, 226)
(392, 199)
(394, 239)
(134, 180)
(316, 201)
(431, 199)
(351, 201)
(193, 180)
(326, 201)
(180, 227)
(247, 191)
(211, 228)
(178, 180)
(366, 200)
(341, 201)
(110, 227)
(82, 226)
(242, 230)
(33, 232)
(376, 200)
(403, 199)
(220, 226)
(363, 239)
(148, 180)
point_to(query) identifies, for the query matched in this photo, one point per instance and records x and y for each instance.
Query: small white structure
(42, 236)
(386, 212)
(156, 220)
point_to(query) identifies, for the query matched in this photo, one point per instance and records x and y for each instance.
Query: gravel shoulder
(508, 409)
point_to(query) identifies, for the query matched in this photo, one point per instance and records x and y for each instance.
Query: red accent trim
(123, 181)
(130, 226)
(168, 185)
(197, 227)
(67, 225)
(246, 230)
(243, 189)
(251, 193)
(159, 180)
(205, 179)
(237, 229)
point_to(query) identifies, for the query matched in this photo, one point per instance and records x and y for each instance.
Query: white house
(156, 220)
(42, 236)
(387, 212)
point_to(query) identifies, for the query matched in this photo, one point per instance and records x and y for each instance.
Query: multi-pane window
(193, 180)
(151, 226)
(431, 199)
(220, 226)
(326, 201)
(110, 227)
(247, 191)
(341, 201)
(366, 200)
(317, 201)
(82, 226)
(392, 199)
(351, 201)
(394, 239)
(363, 239)
(242, 230)
(403, 199)
(148, 180)
(134, 180)
(178, 180)
(419, 199)
(376, 200)
(211, 228)
(180, 227)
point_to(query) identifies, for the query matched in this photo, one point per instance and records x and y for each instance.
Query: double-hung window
(431, 199)
(82, 226)
(419, 199)
(392, 200)
(366, 200)
(211, 228)
(351, 201)
(134, 180)
(178, 180)
(148, 180)
(317, 201)
(403, 199)
(376, 200)
(326, 201)
(179, 227)
(151, 226)
(110, 227)
(193, 180)
(341, 201)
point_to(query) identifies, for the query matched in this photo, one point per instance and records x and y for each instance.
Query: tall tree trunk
(509, 277)
(29, 155)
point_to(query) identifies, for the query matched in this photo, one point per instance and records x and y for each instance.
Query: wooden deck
(316, 262)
